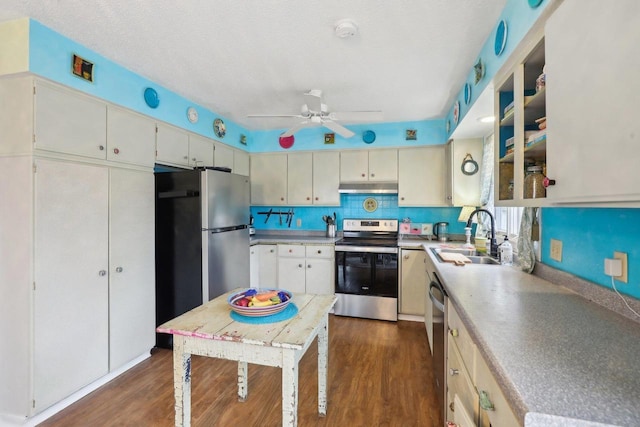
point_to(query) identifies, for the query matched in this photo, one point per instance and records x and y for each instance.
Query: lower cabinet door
(71, 311)
(132, 266)
(291, 274)
(320, 276)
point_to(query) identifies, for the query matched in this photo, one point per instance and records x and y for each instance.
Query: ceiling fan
(316, 113)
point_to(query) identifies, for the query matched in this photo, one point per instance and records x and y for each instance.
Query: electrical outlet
(622, 256)
(298, 222)
(556, 250)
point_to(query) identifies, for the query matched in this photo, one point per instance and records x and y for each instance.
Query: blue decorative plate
(151, 97)
(286, 314)
(534, 3)
(467, 93)
(368, 136)
(501, 38)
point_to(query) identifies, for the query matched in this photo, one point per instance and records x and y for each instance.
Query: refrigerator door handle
(223, 229)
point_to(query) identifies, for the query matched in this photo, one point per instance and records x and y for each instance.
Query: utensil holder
(331, 230)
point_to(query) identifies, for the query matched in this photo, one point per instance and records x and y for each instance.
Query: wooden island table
(209, 330)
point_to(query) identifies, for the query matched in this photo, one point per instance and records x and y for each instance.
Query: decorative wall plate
(286, 141)
(501, 38)
(368, 136)
(467, 93)
(219, 128)
(370, 204)
(192, 115)
(151, 97)
(456, 112)
(448, 126)
(534, 3)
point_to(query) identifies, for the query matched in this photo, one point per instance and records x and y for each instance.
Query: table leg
(181, 382)
(323, 365)
(243, 381)
(289, 388)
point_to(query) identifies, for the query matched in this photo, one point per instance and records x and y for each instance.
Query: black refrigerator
(202, 240)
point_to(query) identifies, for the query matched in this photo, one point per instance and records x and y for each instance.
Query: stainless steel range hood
(368, 188)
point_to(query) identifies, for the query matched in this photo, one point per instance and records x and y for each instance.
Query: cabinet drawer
(459, 384)
(501, 414)
(291, 251)
(459, 335)
(319, 251)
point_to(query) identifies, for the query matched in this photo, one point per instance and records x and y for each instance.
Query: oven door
(361, 271)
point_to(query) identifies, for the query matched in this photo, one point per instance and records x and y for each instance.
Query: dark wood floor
(379, 375)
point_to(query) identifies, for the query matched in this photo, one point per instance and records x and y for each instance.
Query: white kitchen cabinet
(413, 281)
(240, 162)
(463, 402)
(300, 174)
(223, 156)
(172, 146)
(592, 76)
(254, 260)
(131, 265)
(463, 189)
(68, 122)
(466, 364)
(130, 137)
(421, 179)
(70, 259)
(265, 274)
(200, 151)
(307, 268)
(326, 178)
(268, 179)
(369, 165)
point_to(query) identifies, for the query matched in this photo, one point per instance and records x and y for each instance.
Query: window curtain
(486, 187)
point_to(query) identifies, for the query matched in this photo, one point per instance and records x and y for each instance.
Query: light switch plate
(556, 250)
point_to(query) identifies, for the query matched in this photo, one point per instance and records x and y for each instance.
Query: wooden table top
(212, 320)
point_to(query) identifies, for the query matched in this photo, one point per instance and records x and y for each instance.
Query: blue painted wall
(351, 206)
(589, 235)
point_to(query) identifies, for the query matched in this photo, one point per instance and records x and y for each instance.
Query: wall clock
(501, 38)
(219, 128)
(192, 115)
(151, 97)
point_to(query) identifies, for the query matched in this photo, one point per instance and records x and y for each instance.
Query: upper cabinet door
(326, 178)
(300, 178)
(68, 122)
(223, 157)
(268, 179)
(592, 86)
(383, 165)
(421, 180)
(200, 151)
(240, 162)
(130, 137)
(354, 166)
(172, 146)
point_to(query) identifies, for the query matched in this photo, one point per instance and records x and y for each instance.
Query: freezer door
(227, 199)
(226, 265)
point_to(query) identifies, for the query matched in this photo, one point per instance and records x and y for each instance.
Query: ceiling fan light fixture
(346, 28)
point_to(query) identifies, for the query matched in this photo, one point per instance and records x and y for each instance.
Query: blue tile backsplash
(352, 206)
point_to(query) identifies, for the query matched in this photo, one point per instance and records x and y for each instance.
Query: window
(508, 220)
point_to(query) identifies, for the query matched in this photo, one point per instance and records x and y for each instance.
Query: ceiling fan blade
(357, 116)
(337, 128)
(252, 116)
(296, 128)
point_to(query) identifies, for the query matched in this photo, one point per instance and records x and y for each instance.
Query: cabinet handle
(101, 147)
(116, 151)
(186, 157)
(449, 197)
(485, 402)
(290, 250)
(271, 250)
(401, 198)
(309, 266)
(453, 371)
(546, 182)
(282, 199)
(363, 175)
(299, 265)
(452, 406)
(102, 273)
(373, 175)
(317, 198)
(193, 159)
(319, 251)
(118, 269)
(405, 257)
(308, 198)
(454, 332)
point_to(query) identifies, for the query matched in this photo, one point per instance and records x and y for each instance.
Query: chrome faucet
(494, 243)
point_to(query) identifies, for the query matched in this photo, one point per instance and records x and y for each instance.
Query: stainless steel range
(367, 269)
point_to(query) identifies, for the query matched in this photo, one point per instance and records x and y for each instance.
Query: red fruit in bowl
(242, 302)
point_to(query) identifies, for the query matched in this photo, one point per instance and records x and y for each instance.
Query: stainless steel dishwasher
(438, 298)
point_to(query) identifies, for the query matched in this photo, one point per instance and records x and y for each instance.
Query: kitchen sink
(475, 256)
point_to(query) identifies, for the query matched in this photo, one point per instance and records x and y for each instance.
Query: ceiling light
(346, 28)
(487, 119)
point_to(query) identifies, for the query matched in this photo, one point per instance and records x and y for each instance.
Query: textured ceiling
(409, 58)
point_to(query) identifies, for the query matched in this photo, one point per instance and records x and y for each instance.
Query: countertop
(293, 238)
(560, 359)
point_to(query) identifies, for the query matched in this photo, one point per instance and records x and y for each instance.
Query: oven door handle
(439, 305)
